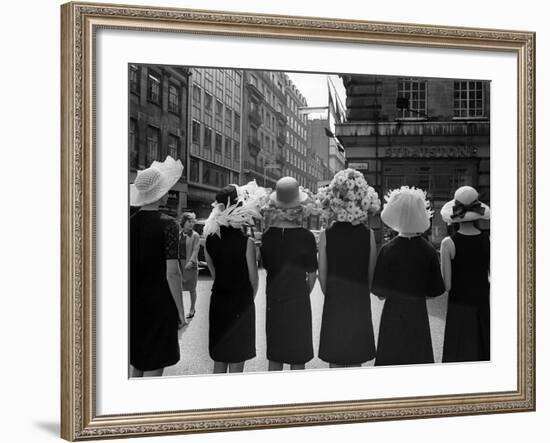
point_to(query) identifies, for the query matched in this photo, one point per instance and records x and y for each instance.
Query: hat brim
(170, 173)
(298, 201)
(447, 212)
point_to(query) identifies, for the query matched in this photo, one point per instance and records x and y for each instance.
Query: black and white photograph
(300, 221)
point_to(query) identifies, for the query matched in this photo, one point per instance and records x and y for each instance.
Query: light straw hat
(153, 183)
(288, 194)
(465, 207)
(407, 211)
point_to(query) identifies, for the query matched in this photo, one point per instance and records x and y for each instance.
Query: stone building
(424, 132)
(216, 98)
(274, 129)
(158, 122)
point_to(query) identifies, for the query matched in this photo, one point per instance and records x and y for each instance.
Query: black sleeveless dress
(232, 316)
(347, 335)
(153, 312)
(467, 329)
(407, 271)
(288, 255)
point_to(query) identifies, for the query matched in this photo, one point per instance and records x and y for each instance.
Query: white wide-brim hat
(465, 207)
(406, 211)
(153, 183)
(288, 194)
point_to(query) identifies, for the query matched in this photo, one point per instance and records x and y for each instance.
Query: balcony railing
(406, 128)
(255, 117)
(281, 139)
(254, 145)
(282, 118)
(255, 91)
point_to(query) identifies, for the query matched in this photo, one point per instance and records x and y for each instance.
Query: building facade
(274, 129)
(319, 146)
(216, 98)
(158, 122)
(265, 126)
(429, 133)
(296, 154)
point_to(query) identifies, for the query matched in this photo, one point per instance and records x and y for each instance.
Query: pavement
(195, 359)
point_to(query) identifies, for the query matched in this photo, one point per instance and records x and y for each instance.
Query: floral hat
(407, 210)
(240, 207)
(348, 198)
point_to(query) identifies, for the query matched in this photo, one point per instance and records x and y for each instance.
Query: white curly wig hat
(407, 211)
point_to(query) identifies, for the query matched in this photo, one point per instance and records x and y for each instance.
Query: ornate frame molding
(79, 23)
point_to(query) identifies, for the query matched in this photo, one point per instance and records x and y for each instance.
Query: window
(134, 154)
(219, 115)
(468, 99)
(207, 138)
(218, 143)
(196, 133)
(197, 101)
(208, 103)
(227, 148)
(415, 91)
(207, 108)
(236, 152)
(153, 87)
(228, 119)
(173, 143)
(254, 80)
(134, 79)
(219, 110)
(153, 139)
(194, 170)
(237, 125)
(174, 99)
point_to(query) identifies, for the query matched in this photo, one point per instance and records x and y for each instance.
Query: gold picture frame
(80, 21)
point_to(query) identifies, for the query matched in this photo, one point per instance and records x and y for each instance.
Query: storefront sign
(431, 151)
(360, 166)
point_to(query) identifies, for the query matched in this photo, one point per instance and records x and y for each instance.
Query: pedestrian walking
(407, 272)
(347, 256)
(231, 258)
(156, 309)
(465, 265)
(188, 255)
(289, 255)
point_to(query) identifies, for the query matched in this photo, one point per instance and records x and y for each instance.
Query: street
(195, 359)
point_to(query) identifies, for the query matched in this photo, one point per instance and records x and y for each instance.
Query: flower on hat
(309, 206)
(250, 199)
(348, 198)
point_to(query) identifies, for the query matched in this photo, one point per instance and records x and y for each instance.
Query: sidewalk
(194, 338)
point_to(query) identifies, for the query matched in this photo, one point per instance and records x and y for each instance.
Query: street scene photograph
(305, 221)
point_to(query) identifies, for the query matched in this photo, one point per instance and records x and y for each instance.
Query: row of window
(202, 135)
(295, 160)
(218, 115)
(228, 91)
(211, 175)
(468, 98)
(153, 146)
(154, 89)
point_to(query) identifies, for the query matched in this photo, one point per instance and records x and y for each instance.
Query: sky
(314, 88)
